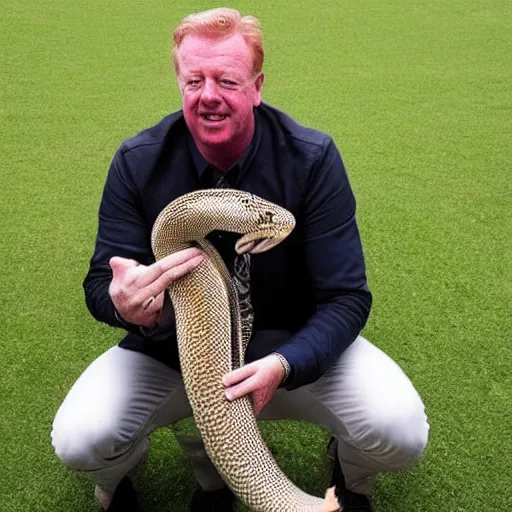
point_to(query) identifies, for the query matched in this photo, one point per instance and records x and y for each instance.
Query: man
(306, 359)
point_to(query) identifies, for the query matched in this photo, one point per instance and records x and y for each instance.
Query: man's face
(219, 91)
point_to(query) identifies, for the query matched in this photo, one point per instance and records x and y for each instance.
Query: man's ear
(259, 81)
(259, 85)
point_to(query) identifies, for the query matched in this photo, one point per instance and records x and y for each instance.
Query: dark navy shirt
(309, 293)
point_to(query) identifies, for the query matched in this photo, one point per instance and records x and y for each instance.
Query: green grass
(417, 96)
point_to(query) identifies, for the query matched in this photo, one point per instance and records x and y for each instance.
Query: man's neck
(223, 157)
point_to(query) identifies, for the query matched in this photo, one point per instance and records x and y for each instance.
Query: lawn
(417, 96)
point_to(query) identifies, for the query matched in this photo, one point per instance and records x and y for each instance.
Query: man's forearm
(100, 304)
(313, 349)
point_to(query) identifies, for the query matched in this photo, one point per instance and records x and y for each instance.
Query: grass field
(418, 97)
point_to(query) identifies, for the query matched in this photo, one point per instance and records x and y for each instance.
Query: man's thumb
(121, 265)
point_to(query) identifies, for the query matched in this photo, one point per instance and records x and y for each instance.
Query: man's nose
(210, 91)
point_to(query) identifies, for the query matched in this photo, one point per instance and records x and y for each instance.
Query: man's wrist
(285, 364)
(145, 331)
(120, 319)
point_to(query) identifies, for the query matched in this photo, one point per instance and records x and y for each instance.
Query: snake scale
(212, 340)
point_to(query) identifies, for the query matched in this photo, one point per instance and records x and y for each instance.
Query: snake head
(190, 217)
(273, 224)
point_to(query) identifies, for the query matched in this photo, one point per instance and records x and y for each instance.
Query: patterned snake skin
(211, 340)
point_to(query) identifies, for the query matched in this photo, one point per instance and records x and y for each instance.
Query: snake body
(212, 341)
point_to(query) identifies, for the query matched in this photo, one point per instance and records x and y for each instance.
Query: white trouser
(364, 400)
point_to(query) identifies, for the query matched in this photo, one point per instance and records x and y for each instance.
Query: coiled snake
(212, 340)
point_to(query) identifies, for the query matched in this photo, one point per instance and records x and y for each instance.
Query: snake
(212, 339)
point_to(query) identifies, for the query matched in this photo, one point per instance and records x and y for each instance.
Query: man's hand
(137, 291)
(260, 379)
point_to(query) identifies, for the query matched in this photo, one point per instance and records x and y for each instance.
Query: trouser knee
(85, 447)
(397, 438)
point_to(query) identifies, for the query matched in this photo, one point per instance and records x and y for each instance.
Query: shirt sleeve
(335, 263)
(122, 231)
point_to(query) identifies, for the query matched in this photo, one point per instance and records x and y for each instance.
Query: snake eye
(268, 216)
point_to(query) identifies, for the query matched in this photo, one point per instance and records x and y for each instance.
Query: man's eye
(228, 83)
(193, 83)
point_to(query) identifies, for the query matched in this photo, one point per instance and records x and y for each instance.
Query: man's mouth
(213, 117)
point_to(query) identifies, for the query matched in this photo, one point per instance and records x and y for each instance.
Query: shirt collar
(201, 164)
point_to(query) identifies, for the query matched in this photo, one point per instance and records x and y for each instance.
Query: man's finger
(157, 269)
(164, 280)
(257, 405)
(154, 304)
(120, 265)
(238, 375)
(244, 388)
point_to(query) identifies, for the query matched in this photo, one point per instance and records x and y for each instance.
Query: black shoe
(124, 498)
(349, 500)
(222, 500)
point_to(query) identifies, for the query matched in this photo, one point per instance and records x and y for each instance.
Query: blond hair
(220, 23)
